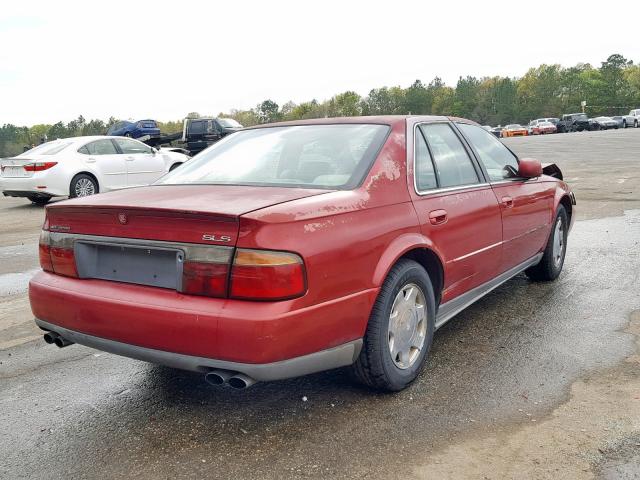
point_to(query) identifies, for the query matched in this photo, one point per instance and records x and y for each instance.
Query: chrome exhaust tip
(240, 381)
(217, 377)
(50, 337)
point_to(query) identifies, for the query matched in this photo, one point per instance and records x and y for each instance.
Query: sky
(60, 59)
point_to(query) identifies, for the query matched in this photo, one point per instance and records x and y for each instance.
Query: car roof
(374, 119)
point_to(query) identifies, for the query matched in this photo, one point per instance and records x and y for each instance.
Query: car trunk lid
(179, 213)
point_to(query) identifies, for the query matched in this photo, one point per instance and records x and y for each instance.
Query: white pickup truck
(633, 119)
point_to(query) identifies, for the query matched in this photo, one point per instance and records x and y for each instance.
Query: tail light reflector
(56, 255)
(44, 251)
(39, 167)
(210, 279)
(205, 271)
(267, 275)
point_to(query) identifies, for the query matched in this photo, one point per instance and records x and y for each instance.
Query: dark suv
(573, 122)
(200, 133)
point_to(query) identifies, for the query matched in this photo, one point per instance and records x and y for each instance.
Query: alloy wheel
(84, 187)
(407, 326)
(558, 242)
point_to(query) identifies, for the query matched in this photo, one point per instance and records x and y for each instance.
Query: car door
(144, 165)
(456, 207)
(101, 155)
(526, 204)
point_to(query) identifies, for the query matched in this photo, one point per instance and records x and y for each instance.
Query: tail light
(266, 275)
(205, 271)
(39, 167)
(57, 255)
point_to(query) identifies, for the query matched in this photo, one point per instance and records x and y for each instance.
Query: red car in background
(292, 248)
(542, 128)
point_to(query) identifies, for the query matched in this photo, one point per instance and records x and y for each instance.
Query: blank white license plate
(9, 171)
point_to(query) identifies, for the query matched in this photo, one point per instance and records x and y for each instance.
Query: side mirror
(529, 168)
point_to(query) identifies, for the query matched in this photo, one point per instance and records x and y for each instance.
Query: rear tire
(400, 329)
(128, 134)
(552, 261)
(83, 185)
(39, 200)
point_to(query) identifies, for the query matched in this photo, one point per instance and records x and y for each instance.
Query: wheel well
(88, 174)
(432, 265)
(566, 203)
(175, 165)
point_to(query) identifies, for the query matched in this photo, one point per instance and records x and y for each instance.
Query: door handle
(129, 159)
(438, 217)
(507, 202)
(90, 160)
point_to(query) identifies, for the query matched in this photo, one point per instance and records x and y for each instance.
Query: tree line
(544, 91)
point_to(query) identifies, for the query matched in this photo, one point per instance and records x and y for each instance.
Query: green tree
(268, 111)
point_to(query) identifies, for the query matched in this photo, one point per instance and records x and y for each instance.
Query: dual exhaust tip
(217, 378)
(235, 380)
(54, 338)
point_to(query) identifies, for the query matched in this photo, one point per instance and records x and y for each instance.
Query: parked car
(573, 122)
(265, 256)
(497, 131)
(515, 130)
(139, 129)
(620, 121)
(200, 133)
(541, 126)
(603, 123)
(81, 166)
(633, 118)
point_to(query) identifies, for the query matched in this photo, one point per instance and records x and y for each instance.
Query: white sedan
(80, 166)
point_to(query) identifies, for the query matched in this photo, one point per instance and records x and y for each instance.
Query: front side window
(99, 147)
(453, 165)
(316, 156)
(229, 123)
(497, 159)
(132, 147)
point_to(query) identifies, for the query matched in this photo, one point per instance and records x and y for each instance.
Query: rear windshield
(315, 156)
(50, 148)
(148, 124)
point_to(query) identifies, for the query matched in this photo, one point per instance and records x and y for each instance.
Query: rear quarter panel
(342, 235)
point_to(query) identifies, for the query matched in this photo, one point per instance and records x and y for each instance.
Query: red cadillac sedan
(292, 248)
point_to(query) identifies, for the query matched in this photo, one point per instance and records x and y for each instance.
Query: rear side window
(425, 173)
(499, 162)
(131, 147)
(453, 165)
(196, 127)
(99, 147)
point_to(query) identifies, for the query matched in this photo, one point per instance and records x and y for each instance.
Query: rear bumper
(25, 193)
(336, 357)
(25, 186)
(220, 330)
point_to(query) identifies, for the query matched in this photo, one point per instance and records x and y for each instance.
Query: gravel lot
(533, 381)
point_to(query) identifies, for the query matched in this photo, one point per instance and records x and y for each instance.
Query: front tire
(83, 185)
(552, 261)
(400, 329)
